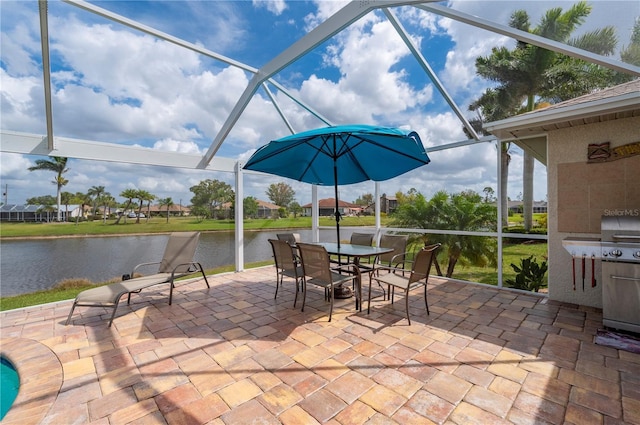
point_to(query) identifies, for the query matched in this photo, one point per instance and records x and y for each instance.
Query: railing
(499, 235)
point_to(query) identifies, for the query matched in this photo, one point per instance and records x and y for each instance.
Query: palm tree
(130, 195)
(66, 198)
(143, 195)
(631, 53)
(166, 202)
(96, 193)
(58, 165)
(149, 199)
(107, 202)
(48, 209)
(82, 199)
(462, 211)
(529, 73)
(491, 107)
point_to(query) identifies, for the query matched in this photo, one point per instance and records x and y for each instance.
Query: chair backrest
(365, 239)
(315, 261)
(422, 263)
(399, 245)
(292, 238)
(180, 249)
(283, 255)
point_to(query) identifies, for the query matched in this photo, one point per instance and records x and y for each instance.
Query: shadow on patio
(232, 354)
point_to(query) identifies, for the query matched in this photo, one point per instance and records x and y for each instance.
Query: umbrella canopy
(340, 155)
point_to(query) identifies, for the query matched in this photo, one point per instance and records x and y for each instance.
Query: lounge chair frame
(176, 263)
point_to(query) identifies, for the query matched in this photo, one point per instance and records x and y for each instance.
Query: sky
(117, 85)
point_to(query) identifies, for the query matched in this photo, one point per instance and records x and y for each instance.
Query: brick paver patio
(234, 355)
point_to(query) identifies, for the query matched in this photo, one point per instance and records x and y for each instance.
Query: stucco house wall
(579, 193)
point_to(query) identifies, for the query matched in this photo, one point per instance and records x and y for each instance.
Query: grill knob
(616, 253)
(636, 254)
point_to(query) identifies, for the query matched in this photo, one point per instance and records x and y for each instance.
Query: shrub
(529, 276)
(73, 283)
(542, 220)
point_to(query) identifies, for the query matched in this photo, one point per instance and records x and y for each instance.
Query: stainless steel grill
(620, 253)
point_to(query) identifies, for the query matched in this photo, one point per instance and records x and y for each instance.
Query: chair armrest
(404, 257)
(143, 264)
(196, 266)
(394, 269)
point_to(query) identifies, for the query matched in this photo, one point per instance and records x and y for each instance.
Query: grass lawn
(160, 225)
(511, 254)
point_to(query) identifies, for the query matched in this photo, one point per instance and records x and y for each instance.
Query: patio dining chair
(317, 271)
(287, 264)
(292, 238)
(364, 239)
(395, 258)
(419, 276)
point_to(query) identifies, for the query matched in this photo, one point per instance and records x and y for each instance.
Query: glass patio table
(357, 252)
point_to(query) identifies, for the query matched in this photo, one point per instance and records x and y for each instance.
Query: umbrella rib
(318, 151)
(276, 152)
(390, 149)
(348, 150)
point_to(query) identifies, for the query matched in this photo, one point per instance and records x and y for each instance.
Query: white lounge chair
(176, 262)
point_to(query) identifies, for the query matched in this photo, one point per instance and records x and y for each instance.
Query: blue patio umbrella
(340, 155)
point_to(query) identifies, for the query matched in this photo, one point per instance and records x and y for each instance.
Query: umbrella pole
(335, 177)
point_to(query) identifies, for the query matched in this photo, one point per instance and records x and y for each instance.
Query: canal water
(35, 264)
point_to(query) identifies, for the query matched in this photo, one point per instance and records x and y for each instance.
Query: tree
(489, 194)
(200, 211)
(631, 53)
(41, 200)
(107, 202)
(529, 74)
(250, 207)
(489, 108)
(130, 195)
(281, 194)
(95, 192)
(365, 200)
(211, 194)
(461, 211)
(295, 208)
(58, 165)
(166, 202)
(66, 198)
(143, 196)
(81, 199)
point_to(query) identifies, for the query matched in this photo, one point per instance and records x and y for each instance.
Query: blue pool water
(9, 383)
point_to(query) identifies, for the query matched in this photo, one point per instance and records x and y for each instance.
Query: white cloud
(368, 87)
(20, 109)
(13, 165)
(325, 10)
(438, 129)
(116, 85)
(176, 146)
(274, 6)
(19, 46)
